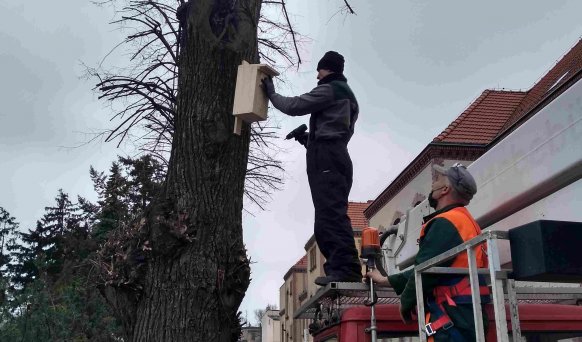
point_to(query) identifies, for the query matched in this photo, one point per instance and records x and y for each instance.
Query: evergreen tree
(113, 207)
(144, 178)
(43, 250)
(8, 233)
(56, 297)
(51, 267)
(125, 192)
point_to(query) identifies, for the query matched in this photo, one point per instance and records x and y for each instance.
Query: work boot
(323, 281)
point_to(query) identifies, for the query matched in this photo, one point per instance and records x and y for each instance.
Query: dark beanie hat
(331, 61)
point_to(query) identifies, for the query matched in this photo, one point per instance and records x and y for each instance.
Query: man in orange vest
(447, 298)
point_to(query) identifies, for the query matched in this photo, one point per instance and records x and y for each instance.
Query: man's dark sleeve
(398, 281)
(441, 236)
(320, 97)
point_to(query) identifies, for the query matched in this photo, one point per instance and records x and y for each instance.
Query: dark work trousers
(329, 170)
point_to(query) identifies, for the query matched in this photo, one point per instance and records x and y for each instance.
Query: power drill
(299, 134)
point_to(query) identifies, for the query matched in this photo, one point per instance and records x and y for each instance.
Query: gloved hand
(268, 86)
(405, 315)
(302, 139)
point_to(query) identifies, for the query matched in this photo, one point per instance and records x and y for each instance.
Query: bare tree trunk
(194, 279)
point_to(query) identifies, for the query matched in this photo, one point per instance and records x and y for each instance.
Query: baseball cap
(460, 178)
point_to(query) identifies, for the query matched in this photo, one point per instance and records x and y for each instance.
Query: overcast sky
(413, 65)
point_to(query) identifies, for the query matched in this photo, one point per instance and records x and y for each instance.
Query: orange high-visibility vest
(468, 229)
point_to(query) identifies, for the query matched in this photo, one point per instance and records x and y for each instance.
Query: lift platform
(327, 305)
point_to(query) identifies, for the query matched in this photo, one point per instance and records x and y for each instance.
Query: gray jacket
(332, 105)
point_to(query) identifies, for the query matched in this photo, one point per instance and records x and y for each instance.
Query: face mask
(432, 202)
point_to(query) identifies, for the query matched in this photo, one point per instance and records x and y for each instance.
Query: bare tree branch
(349, 7)
(143, 95)
(291, 31)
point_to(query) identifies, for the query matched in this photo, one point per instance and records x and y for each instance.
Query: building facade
(464, 140)
(485, 122)
(251, 334)
(291, 294)
(271, 326)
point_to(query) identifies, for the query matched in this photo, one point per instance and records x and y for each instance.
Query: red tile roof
(356, 214)
(486, 120)
(567, 68)
(302, 263)
(483, 119)
(299, 267)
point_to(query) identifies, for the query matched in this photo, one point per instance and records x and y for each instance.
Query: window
(287, 304)
(312, 259)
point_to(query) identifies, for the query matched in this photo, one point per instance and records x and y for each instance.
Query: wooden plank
(237, 125)
(250, 103)
(267, 70)
(242, 93)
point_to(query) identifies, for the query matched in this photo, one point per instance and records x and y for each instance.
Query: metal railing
(337, 297)
(495, 273)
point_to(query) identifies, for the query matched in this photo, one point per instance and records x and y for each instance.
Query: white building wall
(406, 198)
(403, 200)
(271, 327)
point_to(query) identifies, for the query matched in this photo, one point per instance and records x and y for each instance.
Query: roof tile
(356, 214)
(493, 113)
(483, 119)
(566, 68)
(302, 263)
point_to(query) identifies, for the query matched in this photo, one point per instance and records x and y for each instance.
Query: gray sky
(414, 66)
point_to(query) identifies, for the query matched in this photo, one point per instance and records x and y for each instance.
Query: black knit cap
(331, 61)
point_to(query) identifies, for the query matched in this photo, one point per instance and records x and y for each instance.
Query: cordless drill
(299, 134)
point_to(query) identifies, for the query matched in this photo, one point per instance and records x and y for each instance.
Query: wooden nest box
(250, 102)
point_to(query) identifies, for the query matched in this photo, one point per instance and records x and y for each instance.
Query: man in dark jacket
(452, 190)
(334, 111)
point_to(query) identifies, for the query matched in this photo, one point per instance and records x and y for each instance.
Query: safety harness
(459, 292)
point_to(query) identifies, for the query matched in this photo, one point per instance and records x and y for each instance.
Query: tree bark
(194, 279)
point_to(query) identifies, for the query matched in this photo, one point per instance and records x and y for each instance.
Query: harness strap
(442, 322)
(448, 294)
(462, 288)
